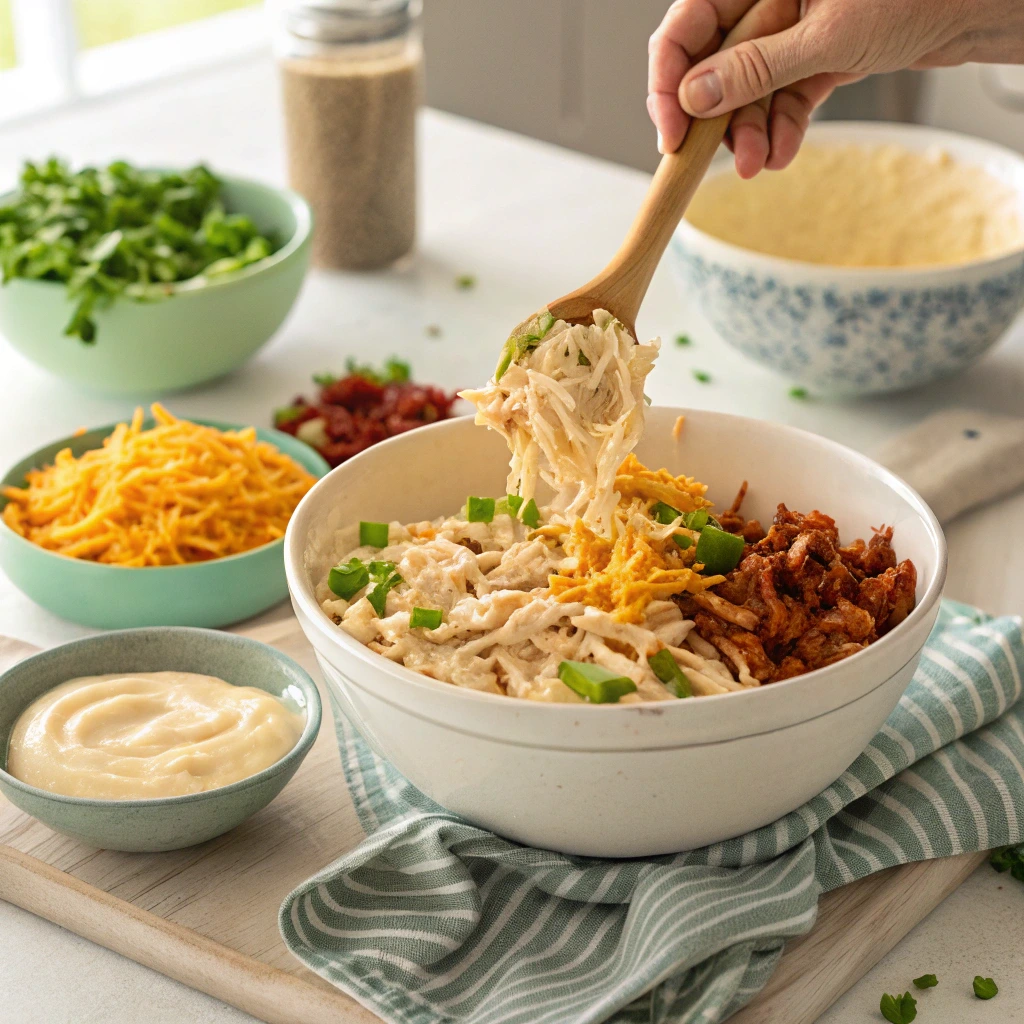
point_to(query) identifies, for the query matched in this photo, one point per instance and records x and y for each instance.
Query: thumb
(749, 71)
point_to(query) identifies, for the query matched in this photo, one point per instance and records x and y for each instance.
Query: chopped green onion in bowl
(426, 618)
(348, 578)
(718, 551)
(373, 535)
(383, 578)
(531, 514)
(667, 669)
(593, 683)
(479, 510)
(509, 505)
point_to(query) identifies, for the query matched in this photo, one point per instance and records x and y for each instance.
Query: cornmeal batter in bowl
(855, 205)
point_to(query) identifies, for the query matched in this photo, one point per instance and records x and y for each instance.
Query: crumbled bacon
(358, 412)
(798, 601)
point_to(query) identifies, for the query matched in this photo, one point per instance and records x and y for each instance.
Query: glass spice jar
(351, 77)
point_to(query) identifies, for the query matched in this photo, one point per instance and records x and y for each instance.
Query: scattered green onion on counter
(985, 988)
(719, 551)
(898, 1009)
(926, 981)
(702, 376)
(425, 618)
(683, 340)
(374, 535)
(465, 282)
(479, 510)
(348, 578)
(593, 683)
(667, 669)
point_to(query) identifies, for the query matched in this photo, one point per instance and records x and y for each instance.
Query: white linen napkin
(959, 459)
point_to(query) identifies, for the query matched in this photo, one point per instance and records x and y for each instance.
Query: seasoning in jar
(351, 80)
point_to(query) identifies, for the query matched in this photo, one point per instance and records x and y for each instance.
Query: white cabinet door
(572, 72)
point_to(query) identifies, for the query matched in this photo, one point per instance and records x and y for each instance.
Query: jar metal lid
(350, 21)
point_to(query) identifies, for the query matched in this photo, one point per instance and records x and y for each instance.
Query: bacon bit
(677, 428)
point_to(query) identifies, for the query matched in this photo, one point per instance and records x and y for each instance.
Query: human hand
(803, 49)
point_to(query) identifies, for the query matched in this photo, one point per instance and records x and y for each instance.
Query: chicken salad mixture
(624, 587)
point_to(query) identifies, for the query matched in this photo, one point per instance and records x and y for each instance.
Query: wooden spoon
(620, 288)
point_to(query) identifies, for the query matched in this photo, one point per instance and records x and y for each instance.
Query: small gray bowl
(165, 823)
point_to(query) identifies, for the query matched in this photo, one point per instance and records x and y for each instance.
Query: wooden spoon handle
(625, 280)
(621, 286)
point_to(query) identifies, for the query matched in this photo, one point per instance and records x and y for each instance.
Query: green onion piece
(696, 520)
(984, 988)
(802, 393)
(664, 513)
(719, 551)
(682, 340)
(425, 618)
(582, 359)
(531, 515)
(898, 1009)
(509, 505)
(682, 540)
(594, 683)
(926, 981)
(347, 578)
(702, 376)
(647, 399)
(667, 669)
(288, 413)
(506, 359)
(479, 510)
(465, 281)
(384, 579)
(544, 324)
(374, 535)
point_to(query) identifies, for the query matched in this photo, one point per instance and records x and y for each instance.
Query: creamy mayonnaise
(148, 734)
(865, 206)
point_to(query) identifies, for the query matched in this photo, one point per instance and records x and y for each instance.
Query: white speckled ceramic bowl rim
(965, 148)
(313, 715)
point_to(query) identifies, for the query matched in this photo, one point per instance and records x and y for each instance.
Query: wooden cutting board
(207, 916)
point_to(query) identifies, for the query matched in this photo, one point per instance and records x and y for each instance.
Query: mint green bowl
(159, 823)
(214, 593)
(203, 331)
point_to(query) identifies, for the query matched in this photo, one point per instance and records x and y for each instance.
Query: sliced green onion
(702, 376)
(373, 535)
(479, 510)
(544, 324)
(647, 399)
(425, 618)
(506, 359)
(682, 340)
(465, 281)
(594, 683)
(348, 578)
(664, 514)
(719, 551)
(531, 515)
(667, 669)
(517, 346)
(696, 520)
(682, 540)
(384, 579)
(509, 505)
(582, 359)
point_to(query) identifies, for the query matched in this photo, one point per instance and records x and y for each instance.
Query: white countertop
(530, 221)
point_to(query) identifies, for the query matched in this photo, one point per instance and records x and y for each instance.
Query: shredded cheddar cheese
(623, 575)
(177, 492)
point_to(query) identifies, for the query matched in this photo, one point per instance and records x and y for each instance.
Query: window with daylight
(53, 52)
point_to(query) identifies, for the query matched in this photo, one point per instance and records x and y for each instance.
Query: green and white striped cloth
(433, 920)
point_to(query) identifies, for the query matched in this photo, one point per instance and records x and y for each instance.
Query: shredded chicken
(570, 404)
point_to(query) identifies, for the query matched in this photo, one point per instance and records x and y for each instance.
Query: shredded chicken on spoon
(569, 400)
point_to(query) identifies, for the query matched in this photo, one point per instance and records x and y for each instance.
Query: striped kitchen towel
(433, 920)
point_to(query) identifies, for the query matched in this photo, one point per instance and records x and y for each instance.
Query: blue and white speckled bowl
(842, 330)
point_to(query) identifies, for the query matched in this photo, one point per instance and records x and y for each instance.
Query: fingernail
(661, 144)
(704, 92)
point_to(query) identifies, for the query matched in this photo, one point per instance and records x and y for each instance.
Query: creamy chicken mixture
(607, 594)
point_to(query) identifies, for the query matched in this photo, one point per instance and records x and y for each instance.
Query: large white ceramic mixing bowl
(631, 780)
